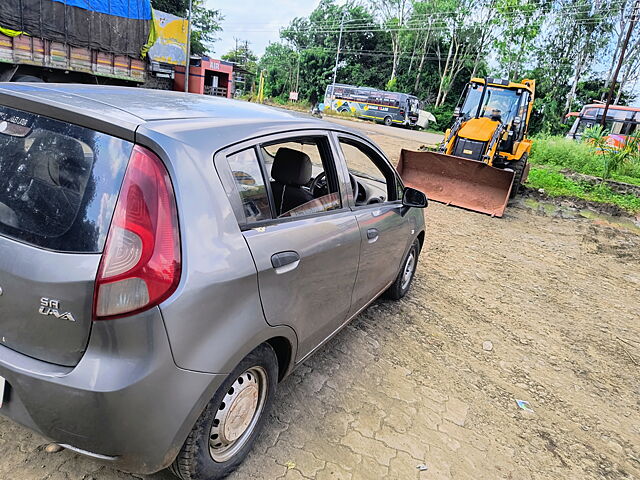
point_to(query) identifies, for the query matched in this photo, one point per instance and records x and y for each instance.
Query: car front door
(307, 258)
(385, 228)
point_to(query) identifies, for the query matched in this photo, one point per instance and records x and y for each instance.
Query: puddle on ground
(550, 209)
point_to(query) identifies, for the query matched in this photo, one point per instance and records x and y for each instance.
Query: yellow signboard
(171, 44)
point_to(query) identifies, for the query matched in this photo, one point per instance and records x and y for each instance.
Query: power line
(515, 11)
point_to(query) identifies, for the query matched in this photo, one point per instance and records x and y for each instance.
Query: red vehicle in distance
(621, 122)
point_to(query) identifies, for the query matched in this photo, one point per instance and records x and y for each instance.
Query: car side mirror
(414, 198)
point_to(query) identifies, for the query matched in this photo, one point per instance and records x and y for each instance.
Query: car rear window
(59, 182)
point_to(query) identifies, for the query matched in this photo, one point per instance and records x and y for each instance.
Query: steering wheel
(319, 184)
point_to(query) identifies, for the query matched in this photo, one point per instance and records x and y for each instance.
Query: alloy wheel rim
(238, 414)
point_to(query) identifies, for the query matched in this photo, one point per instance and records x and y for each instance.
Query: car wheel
(227, 428)
(387, 121)
(402, 283)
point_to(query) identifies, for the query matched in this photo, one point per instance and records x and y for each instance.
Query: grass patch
(557, 185)
(565, 153)
(561, 152)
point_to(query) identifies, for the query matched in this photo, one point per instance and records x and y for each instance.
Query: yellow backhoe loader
(483, 158)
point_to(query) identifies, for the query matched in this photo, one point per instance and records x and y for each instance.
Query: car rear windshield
(58, 182)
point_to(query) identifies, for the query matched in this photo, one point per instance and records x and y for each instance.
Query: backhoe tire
(518, 171)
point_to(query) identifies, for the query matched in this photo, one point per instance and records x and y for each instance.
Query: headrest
(62, 158)
(291, 167)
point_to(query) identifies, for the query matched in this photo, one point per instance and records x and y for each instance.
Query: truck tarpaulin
(115, 26)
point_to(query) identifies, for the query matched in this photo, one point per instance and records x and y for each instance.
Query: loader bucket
(457, 181)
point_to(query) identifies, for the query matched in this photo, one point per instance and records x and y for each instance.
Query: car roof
(121, 110)
(144, 104)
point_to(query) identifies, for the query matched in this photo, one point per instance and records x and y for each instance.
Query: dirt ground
(409, 383)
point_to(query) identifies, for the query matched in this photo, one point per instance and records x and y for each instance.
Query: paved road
(371, 128)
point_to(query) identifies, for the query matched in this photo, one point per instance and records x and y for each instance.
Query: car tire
(518, 171)
(27, 78)
(387, 121)
(205, 454)
(402, 283)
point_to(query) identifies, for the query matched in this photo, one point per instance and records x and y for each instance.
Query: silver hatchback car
(166, 259)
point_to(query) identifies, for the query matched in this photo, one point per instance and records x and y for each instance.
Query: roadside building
(207, 76)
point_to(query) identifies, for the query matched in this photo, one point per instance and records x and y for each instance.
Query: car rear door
(58, 186)
(384, 228)
(306, 263)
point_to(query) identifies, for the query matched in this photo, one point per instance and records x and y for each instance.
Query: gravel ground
(531, 307)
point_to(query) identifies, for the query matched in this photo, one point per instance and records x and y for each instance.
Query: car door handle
(372, 235)
(284, 262)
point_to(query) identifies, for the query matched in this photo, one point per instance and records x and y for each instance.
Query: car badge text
(49, 306)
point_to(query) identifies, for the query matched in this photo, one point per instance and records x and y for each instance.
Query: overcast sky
(257, 21)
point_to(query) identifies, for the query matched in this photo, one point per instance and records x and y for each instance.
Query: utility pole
(335, 70)
(298, 75)
(188, 65)
(623, 49)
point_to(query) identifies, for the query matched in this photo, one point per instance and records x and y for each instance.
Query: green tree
(278, 63)
(394, 15)
(363, 57)
(243, 56)
(593, 88)
(520, 23)
(467, 30)
(574, 36)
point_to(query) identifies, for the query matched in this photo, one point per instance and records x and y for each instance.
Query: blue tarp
(135, 9)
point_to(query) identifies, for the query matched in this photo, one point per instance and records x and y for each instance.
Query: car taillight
(140, 265)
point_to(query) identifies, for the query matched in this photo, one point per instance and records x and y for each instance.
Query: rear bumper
(126, 402)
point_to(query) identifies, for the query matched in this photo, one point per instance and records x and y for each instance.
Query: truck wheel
(387, 121)
(27, 78)
(518, 170)
(400, 286)
(227, 428)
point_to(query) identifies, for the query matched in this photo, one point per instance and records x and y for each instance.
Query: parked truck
(103, 42)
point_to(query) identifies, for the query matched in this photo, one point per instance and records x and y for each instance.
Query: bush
(444, 117)
(566, 153)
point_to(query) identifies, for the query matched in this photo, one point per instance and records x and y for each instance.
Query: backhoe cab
(483, 158)
(491, 122)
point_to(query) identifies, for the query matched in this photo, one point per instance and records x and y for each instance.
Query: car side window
(376, 179)
(250, 185)
(302, 176)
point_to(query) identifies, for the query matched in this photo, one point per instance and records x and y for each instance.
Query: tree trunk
(623, 82)
(574, 84)
(614, 59)
(456, 66)
(395, 45)
(422, 57)
(413, 52)
(395, 39)
(444, 74)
